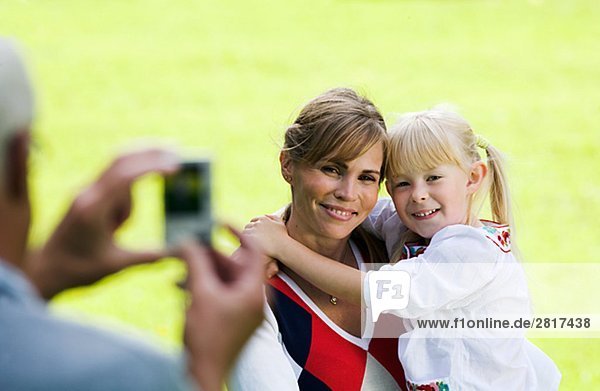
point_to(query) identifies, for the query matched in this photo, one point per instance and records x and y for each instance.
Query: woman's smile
(339, 213)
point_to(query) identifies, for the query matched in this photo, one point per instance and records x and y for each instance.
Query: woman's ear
(477, 174)
(287, 166)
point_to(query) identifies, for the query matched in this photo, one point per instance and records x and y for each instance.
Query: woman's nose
(346, 190)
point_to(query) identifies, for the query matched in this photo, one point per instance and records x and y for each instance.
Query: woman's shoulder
(384, 209)
(370, 247)
(384, 223)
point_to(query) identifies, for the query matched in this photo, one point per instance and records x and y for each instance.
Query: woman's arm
(332, 277)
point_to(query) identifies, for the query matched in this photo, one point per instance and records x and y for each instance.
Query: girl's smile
(425, 214)
(428, 201)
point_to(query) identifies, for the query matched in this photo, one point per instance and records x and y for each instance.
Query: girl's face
(428, 201)
(332, 198)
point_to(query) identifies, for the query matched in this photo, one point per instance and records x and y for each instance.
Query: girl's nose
(420, 194)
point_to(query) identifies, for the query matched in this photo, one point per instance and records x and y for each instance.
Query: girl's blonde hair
(424, 140)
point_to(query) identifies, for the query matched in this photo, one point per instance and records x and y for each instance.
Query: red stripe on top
(277, 283)
(329, 351)
(334, 360)
(380, 349)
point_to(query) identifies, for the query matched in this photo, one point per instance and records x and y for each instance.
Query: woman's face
(330, 199)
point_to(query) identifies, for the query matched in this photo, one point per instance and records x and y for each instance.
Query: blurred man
(41, 352)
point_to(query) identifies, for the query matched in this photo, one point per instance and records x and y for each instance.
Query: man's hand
(226, 307)
(82, 249)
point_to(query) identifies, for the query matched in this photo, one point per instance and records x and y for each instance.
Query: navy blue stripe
(294, 324)
(307, 382)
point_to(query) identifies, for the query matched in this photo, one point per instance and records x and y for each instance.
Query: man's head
(16, 115)
(16, 95)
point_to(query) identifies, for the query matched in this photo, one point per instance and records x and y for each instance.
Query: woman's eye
(330, 170)
(367, 178)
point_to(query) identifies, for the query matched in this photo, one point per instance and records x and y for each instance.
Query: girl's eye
(402, 184)
(432, 178)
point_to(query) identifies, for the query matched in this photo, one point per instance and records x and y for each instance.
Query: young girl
(461, 269)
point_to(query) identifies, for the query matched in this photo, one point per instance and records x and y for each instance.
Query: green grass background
(227, 76)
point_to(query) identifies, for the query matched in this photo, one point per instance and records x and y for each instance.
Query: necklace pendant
(333, 300)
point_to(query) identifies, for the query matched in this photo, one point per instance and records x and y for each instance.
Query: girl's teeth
(426, 213)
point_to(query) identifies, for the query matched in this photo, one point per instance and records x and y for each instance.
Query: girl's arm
(332, 277)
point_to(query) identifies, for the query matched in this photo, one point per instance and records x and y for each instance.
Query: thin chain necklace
(332, 299)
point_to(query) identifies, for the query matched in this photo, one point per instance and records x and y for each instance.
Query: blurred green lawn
(227, 76)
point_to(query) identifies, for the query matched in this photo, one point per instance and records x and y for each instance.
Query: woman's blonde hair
(338, 125)
(424, 140)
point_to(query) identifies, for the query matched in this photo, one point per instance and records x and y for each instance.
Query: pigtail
(500, 201)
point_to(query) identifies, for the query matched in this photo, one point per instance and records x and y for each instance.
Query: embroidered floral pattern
(499, 234)
(439, 385)
(413, 250)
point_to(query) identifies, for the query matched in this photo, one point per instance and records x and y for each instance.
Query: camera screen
(186, 192)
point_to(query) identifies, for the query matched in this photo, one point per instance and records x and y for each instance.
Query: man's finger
(251, 275)
(125, 258)
(244, 242)
(201, 272)
(127, 168)
(121, 209)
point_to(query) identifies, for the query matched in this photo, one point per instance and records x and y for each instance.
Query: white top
(265, 365)
(464, 273)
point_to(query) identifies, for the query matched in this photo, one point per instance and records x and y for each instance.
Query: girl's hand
(269, 234)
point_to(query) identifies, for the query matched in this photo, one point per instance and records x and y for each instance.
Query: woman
(333, 158)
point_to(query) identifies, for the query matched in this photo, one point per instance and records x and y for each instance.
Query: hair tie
(482, 142)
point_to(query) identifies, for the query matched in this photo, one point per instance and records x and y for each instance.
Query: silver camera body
(187, 201)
